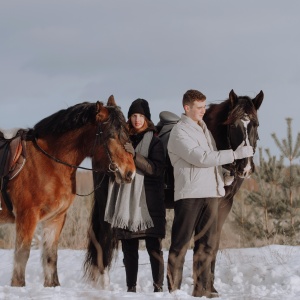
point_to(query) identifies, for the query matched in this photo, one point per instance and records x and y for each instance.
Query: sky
(58, 53)
(266, 273)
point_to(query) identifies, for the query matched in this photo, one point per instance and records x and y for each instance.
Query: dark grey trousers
(199, 217)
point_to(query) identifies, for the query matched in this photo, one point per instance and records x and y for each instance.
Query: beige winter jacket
(196, 161)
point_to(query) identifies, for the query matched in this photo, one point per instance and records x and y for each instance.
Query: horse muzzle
(246, 169)
(124, 177)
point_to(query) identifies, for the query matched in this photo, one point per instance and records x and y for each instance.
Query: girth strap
(5, 196)
(12, 160)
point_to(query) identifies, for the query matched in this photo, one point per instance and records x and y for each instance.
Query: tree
(261, 212)
(291, 152)
(270, 212)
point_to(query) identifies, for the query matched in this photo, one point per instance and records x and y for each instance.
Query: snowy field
(271, 272)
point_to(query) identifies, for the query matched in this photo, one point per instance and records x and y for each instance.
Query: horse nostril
(129, 176)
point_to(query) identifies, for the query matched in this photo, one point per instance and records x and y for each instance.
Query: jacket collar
(189, 121)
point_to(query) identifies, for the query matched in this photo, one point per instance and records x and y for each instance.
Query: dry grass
(74, 233)
(7, 236)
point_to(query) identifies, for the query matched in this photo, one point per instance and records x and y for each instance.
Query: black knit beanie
(139, 106)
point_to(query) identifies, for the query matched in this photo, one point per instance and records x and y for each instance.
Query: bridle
(244, 119)
(112, 167)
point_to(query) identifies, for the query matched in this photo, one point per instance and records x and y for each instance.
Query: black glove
(129, 148)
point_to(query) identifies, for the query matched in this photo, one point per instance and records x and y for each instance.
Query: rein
(58, 160)
(232, 166)
(93, 191)
(112, 167)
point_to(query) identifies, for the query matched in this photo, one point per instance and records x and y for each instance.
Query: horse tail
(102, 238)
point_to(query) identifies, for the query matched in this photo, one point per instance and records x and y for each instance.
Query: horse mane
(117, 120)
(223, 114)
(244, 106)
(66, 119)
(219, 115)
(75, 117)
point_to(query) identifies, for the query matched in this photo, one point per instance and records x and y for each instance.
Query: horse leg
(102, 237)
(98, 273)
(224, 208)
(204, 249)
(25, 227)
(51, 232)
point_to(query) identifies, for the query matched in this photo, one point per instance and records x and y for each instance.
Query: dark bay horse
(232, 122)
(46, 186)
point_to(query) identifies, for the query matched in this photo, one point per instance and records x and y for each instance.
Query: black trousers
(130, 249)
(199, 217)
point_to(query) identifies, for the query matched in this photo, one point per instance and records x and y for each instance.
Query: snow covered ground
(271, 272)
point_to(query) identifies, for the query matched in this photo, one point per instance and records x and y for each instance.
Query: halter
(112, 167)
(98, 135)
(246, 141)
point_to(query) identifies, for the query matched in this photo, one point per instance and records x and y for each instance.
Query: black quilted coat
(152, 168)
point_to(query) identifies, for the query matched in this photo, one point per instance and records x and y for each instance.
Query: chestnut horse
(46, 186)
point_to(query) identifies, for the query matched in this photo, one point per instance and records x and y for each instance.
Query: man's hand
(243, 151)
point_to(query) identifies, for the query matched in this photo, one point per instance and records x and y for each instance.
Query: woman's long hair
(148, 124)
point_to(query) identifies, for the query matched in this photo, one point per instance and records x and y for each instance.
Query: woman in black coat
(150, 166)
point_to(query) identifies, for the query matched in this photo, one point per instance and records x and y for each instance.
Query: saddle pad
(9, 133)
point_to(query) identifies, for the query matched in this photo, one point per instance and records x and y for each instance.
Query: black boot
(157, 288)
(132, 289)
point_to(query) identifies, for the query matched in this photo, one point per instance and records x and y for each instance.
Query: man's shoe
(131, 289)
(158, 289)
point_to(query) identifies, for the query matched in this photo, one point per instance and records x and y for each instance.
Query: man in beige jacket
(199, 183)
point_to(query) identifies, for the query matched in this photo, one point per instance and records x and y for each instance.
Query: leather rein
(112, 167)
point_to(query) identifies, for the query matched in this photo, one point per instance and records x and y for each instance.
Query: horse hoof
(17, 283)
(51, 284)
(105, 280)
(214, 295)
(205, 293)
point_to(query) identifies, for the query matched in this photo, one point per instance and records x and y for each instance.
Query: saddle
(166, 122)
(12, 160)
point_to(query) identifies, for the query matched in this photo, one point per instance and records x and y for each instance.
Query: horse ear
(258, 100)
(102, 112)
(233, 98)
(99, 106)
(111, 101)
